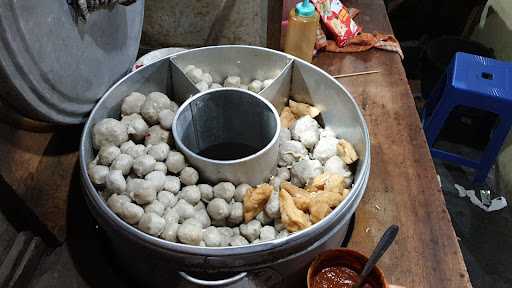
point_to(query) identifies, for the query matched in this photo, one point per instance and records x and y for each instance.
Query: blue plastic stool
(477, 82)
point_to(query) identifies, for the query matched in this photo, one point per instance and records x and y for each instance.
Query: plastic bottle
(301, 34)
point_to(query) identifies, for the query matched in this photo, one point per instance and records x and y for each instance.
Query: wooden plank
(403, 188)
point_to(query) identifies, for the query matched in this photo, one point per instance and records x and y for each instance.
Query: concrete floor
(485, 237)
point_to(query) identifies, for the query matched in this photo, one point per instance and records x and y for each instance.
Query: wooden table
(402, 189)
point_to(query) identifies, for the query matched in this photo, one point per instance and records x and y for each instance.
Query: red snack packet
(336, 18)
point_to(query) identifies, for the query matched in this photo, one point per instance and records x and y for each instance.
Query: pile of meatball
(150, 185)
(204, 81)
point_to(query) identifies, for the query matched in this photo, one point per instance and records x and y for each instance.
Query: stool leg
(435, 123)
(492, 150)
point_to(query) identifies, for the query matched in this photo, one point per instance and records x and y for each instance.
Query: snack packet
(336, 18)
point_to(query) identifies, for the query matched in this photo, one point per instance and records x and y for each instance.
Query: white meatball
(166, 198)
(131, 212)
(325, 149)
(194, 74)
(165, 117)
(263, 218)
(236, 216)
(283, 173)
(157, 178)
(255, 86)
(236, 231)
(200, 206)
(115, 202)
(206, 192)
(141, 191)
(185, 210)
(160, 166)
(212, 237)
(172, 184)
(189, 233)
(155, 102)
(232, 81)
(126, 145)
(159, 151)
(156, 135)
(189, 176)
(175, 162)
(267, 83)
(290, 152)
(282, 234)
(240, 192)
(306, 131)
(238, 240)
(215, 86)
(115, 182)
(226, 233)
(135, 126)
(107, 154)
(155, 207)
(272, 206)
(202, 86)
(123, 162)
(171, 216)
(98, 174)
(132, 103)
(188, 68)
(207, 78)
(267, 233)
(224, 190)
(218, 209)
(305, 170)
(151, 224)
(202, 217)
(109, 132)
(144, 164)
(251, 230)
(170, 231)
(191, 194)
(327, 132)
(284, 135)
(135, 150)
(336, 166)
(192, 221)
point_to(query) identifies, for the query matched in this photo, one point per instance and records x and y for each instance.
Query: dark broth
(228, 151)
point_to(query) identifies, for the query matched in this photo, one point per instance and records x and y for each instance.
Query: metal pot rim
(108, 215)
(274, 139)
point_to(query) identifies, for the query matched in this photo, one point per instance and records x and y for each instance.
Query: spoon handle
(383, 245)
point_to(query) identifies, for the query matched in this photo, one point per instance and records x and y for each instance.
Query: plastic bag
(336, 18)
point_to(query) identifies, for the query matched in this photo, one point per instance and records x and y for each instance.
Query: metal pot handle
(222, 282)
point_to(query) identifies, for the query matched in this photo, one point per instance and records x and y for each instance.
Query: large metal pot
(301, 81)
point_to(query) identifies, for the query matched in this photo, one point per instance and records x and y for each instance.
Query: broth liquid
(228, 151)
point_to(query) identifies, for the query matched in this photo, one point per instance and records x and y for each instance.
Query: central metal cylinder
(229, 134)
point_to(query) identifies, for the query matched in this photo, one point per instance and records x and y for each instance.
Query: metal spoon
(383, 245)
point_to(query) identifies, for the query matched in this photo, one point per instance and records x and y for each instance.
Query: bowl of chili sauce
(339, 268)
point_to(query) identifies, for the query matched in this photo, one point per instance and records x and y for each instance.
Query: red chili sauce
(336, 277)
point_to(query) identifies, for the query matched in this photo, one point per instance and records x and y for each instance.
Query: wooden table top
(402, 189)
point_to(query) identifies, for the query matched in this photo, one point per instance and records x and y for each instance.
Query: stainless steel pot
(233, 117)
(295, 78)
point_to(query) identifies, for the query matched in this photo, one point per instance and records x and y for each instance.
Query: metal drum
(152, 258)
